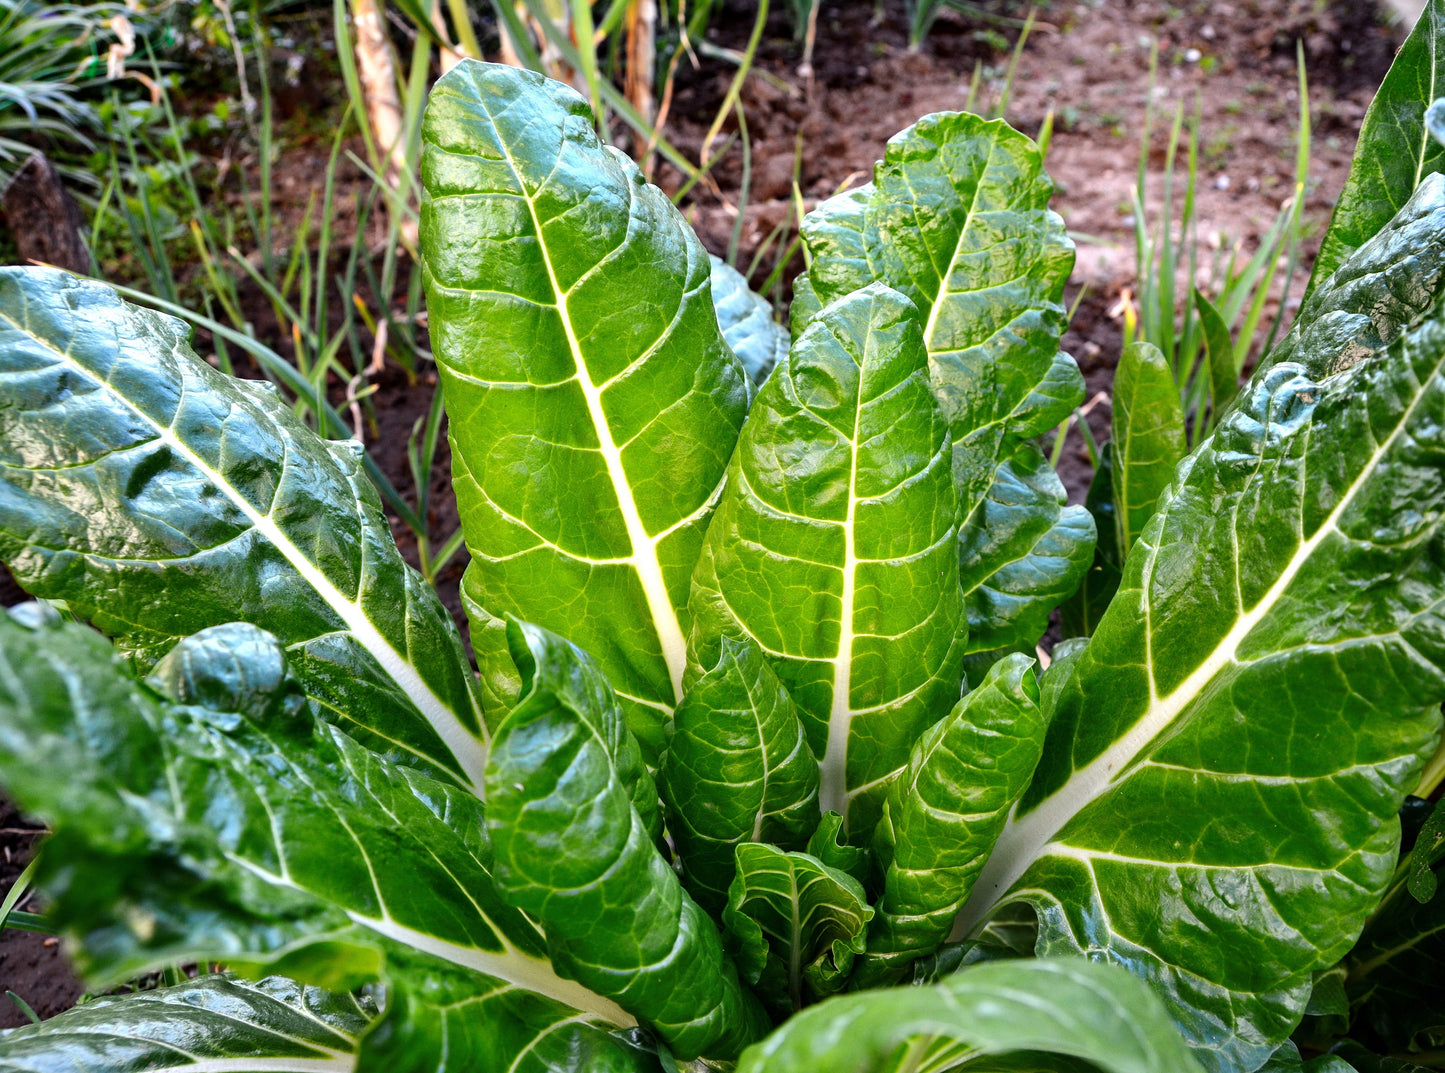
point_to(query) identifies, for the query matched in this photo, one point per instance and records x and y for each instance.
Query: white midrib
(644, 549)
(1023, 840)
(470, 753)
(833, 771)
(342, 1063)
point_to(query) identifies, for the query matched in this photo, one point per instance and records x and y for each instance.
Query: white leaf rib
(1024, 839)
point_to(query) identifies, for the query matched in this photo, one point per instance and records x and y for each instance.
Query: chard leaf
(833, 548)
(794, 924)
(1219, 351)
(214, 1022)
(746, 320)
(194, 832)
(1148, 438)
(1062, 1007)
(737, 769)
(1081, 613)
(593, 401)
(957, 219)
(1386, 287)
(158, 497)
(1216, 803)
(574, 850)
(829, 844)
(1395, 151)
(943, 815)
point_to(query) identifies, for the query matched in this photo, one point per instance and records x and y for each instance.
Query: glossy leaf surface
(593, 401)
(1067, 1007)
(957, 218)
(214, 1022)
(746, 320)
(573, 819)
(943, 815)
(1148, 437)
(1274, 650)
(737, 769)
(158, 497)
(1386, 286)
(195, 832)
(833, 548)
(794, 924)
(1395, 151)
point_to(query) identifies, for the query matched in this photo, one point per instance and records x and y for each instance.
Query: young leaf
(1148, 437)
(833, 548)
(574, 850)
(943, 815)
(1219, 350)
(593, 401)
(747, 323)
(1081, 613)
(265, 837)
(1098, 1013)
(214, 1022)
(1394, 151)
(829, 844)
(957, 219)
(794, 924)
(1274, 651)
(737, 769)
(157, 497)
(1394, 279)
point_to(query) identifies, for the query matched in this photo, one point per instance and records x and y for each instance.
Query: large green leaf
(1216, 803)
(1395, 151)
(943, 814)
(1065, 1007)
(593, 401)
(157, 497)
(833, 547)
(187, 830)
(737, 769)
(1387, 285)
(957, 218)
(214, 1022)
(571, 816)
(1148, 438)
(796, 925)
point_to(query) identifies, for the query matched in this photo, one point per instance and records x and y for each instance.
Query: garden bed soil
(1087, 62)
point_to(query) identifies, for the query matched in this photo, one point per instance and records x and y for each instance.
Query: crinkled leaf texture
(746, 320)
(1056, 1007)
(1216, 803)
(157, 497)
(1394, 151)
(957, 219)
(1148, 440)
(266, 837)
(943, 815)
(795, 924)
(593, 400)
(573, 818)
(737, 769)
(214, 1022)
(833, 548)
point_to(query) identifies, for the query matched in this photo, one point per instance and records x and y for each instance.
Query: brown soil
(1087, 61)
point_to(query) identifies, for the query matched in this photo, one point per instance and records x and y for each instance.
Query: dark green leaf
(830, 845)
(568, 817)
(794, 925)
(1394, 152)
(1219, 352)
(1274, 651)
(833, 547)
(1095, 1012)
(1081, 613)
(1148, 437)
(158, 497)
(737, 769)
(593, 401)
(943, 814)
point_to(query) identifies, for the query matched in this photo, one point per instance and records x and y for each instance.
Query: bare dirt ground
(1087, 61)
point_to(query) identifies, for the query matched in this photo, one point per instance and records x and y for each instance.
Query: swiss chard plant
(759, 765)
